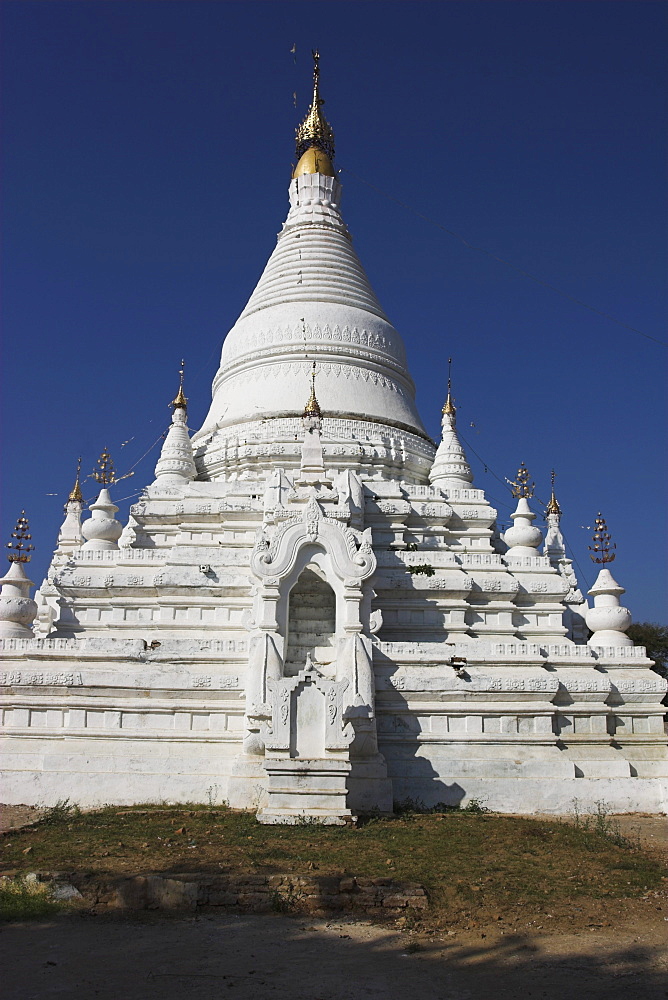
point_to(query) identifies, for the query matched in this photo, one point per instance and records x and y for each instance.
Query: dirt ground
(204, 957)
(14, 817)
(296, 957)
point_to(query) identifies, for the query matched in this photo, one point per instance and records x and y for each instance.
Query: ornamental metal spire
(19, 551)
(315, 130)
(76, 496)
(553, 506)
(312, 408)
(600, 551)
(521, 488)
(449, 406)
(104, 474)
(180, 400)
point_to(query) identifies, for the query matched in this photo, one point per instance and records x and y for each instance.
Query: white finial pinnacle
(450, 468)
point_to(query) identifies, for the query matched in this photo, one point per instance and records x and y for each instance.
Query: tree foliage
(654, 638)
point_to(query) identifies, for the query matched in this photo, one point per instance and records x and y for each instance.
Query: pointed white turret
(608, 620)
(555, 550)
(102, 530)
(176, 464)
(450, 466)
(555, 546)
(69, 536)
(523, 539)
(17, 609)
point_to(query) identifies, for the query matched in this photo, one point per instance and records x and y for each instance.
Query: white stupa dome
(313, 303)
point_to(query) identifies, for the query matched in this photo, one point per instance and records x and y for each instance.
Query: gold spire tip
(312, 408)
(19, 551)
(449, 406)
(553, 506)
(315, 133)
(75, 493)
(180, 400)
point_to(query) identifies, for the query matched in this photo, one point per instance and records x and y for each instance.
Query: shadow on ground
(252, 956)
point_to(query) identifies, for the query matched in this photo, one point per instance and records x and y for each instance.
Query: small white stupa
(17, 609)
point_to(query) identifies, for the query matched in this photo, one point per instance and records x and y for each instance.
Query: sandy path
(282, 957)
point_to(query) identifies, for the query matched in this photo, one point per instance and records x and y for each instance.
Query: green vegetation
(654, 638)
(25, 898)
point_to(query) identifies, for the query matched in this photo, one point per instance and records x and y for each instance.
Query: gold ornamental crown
(553, 506)
(315, 130)
(521, 488)
(312, 408)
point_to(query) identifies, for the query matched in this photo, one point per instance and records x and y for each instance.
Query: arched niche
(315, 557)
(311, 623)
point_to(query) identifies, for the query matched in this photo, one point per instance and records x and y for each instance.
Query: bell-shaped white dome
(314, 303)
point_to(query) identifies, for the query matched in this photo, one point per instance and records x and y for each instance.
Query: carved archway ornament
(344, 558)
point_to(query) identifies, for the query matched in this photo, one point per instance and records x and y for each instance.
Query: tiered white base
(95, 772)
(303, 791)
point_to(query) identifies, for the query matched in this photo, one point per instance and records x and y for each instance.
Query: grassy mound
(474, 865)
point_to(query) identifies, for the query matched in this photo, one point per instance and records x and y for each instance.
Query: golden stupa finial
(553, 506)
(312, 408)
(180, 398)
(449, 406)
(75, 493)
(315, 133)
(19, 551)
(521, 488)
(601, 550)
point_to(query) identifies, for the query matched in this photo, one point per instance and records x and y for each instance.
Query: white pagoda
(310, 611)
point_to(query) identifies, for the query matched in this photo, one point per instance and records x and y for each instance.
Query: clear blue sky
(147, 152)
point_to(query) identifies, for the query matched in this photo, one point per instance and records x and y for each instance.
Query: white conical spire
(555, 550)
(450, 466)
(17, 609)
(555, 546)
(176, 464)
(69, 536)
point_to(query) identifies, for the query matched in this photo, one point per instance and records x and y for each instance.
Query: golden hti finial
(601, 550)
(314, 136)
(75, 494)
(180, 398)
(449, 406)
(553, 506)
(19, 550)
(312, 408)
(521, 488)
